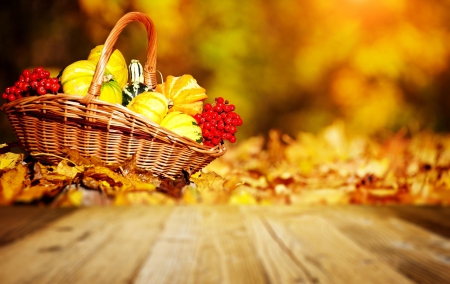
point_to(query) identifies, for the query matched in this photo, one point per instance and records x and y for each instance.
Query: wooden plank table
(225, 244)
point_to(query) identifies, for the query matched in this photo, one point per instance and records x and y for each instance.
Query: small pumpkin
(137, 85)
(77, 77)
(184, 125)
(116, 64)
(184, 94)
(152, 105)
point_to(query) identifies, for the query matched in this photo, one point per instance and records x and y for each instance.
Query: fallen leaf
(12, 183)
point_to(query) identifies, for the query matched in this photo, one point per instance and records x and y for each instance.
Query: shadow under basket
(46, 125)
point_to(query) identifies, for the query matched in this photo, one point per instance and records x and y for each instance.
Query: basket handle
(150, 64)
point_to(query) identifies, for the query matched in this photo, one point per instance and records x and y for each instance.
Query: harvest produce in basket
(136, 86)
(183, 124)
(152, 105)
(116, 64)
(184, 94)
(77, 77)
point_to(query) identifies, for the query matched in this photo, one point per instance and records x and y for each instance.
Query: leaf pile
(331, 167)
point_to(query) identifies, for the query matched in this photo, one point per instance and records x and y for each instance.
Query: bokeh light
(290, 65)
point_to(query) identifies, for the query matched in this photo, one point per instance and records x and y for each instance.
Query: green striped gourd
(136, 85)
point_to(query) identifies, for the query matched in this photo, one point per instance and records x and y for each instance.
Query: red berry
(54, 88)
(207, 107)
(228, 120)
(218, 108)
(41, 90)
(7, 90)
(34, 84)
(227, 128)
(207, 116)
(25, 87)
(237, 121)
(34, 76)
(215, 141)
(232, 139)
(11, 97)
(219, 100)
(48, 85)
(4, 95)
(46, 73)
(233, 129)
(26, 73)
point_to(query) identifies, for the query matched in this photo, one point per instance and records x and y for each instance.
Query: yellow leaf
(9, 160)
(12, 183)
(67, 170)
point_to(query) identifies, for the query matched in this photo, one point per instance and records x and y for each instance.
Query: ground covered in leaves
(331, 167)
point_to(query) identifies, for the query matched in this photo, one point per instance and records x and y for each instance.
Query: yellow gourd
(184, 94)
(184, 125)
(152, 105)
(77, 77)
(116, 64)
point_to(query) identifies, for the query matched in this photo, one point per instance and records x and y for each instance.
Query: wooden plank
(17, 222)
(434, 219)
(203, 244)
(417, 253)
(299, 246)
(98, 244)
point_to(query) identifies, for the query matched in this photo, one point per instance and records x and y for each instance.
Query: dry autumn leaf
(331, 167)
(12, 183)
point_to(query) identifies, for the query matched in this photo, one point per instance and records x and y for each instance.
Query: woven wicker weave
(50, 123)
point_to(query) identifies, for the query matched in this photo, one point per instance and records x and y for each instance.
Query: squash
(116, 64)
(184, 93)
(137, 85)
(152, 105)
(77, 77)
(184, 125)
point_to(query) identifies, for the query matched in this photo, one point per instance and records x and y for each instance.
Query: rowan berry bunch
(32, 83)
(218, 122)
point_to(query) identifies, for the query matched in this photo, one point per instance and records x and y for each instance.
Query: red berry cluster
(32, 83)
(218, 122)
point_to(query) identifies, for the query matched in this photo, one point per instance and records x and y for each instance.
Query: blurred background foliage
(291, 65)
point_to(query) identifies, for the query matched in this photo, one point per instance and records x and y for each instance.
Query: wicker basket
(49, 123)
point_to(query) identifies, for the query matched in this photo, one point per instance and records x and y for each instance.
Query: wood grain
(309, 246)
(104, 245)
(418, 254)
(17, 222)
(225, 244)
(203, 245)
